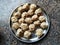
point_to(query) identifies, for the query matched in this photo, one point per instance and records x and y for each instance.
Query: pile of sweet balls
(27, 19)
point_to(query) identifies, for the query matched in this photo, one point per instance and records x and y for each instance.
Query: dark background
(52, 7)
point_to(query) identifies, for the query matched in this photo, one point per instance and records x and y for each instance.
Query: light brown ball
(34, 17)
(31, 27)
(43, 25)
(38, 11)
(28, 20)
(14, 19)
(24, 26)
(37, 22)
(30, 12)
(42, 18)
(27, 34)
(24, 14)
(15, 25)
(33, 6)
(21, 20)
(39, 32)
(19, 32)
(20, 9)
(17, 14)
(26, 6)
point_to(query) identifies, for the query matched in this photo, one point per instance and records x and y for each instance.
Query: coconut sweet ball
(39, 32)
(19, 32)
(17, 14)
(30, 12)
(43, 25)
(38, 11)
(24, 14)
(33, 6)
(42, 18)
(26, 6)
(34, 17)
(20, 9)
(14, 19)
(31, 27)
(27, 34)
(37, 22)
(28, 20)
(21, 20)
(24, 26)
(15, 25)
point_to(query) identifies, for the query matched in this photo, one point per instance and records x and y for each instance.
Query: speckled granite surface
(52, 7)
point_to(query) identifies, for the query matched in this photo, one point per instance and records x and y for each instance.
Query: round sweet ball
(17, 14)
(19, 32)
(26, 6)
(24, 14)
(30, 12)
(38, 11)
(34, 17)
(15, 25)
(43, 25)
(24, 26)
(31, 27)
(28, 20)
(37, 22)
(39, 32)
(33, 6)
(21, 20)
(14, 19)
(42, 18)
(27, 34)
(20, 9)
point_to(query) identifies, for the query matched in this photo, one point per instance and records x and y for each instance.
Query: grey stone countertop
(52, 7)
